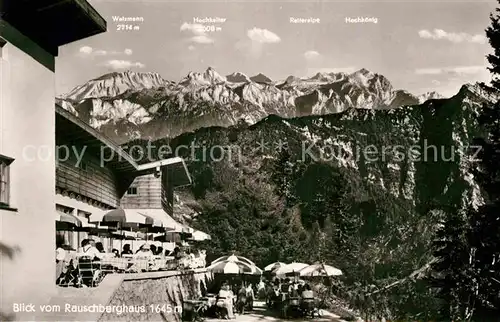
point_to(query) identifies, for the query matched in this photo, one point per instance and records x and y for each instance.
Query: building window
(132, 191)
(5, 180)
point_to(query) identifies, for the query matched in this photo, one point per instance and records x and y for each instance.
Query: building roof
(52, 23)
(69, 128)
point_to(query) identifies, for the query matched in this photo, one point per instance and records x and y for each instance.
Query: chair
(67, 276)
(89, 271)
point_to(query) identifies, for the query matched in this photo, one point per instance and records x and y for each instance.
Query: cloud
(86, 50)
(123, 64)
(263, 36)
(457, 70)
(198, 34)
(100, 53)
(191, 47)
(429, 71)
(89, 51)
(440, 34)
(311, 55)
(257, 38)
(194, 28)
(202, 39)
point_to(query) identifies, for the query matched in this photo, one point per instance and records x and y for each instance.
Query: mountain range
(301, 182)
(130, 105)
(305, 189)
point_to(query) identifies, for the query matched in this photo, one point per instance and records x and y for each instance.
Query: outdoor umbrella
(255, 271)
(125, 217)
(66, 226)
(161, 237)
(321, 270)
(70, 223)
(70, 220)
(235, 258)
(99, 231)
(128, 235)
(292, 268)
(165, 220)
(230, 267)
(198, 235)
(273, 266)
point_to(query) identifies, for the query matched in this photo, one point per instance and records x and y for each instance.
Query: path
(262, 314)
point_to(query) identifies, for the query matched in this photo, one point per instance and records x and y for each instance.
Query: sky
(419, 46)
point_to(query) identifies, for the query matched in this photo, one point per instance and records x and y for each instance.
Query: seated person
(127, 250)
(116, 252)
(144, 251)
(176, 253)
(300, 289)
(61, 255)
(89, 250)
(99, 246)
(307, 293)
(88, 269)
(225, 300)
(153, 249)
(159, 251)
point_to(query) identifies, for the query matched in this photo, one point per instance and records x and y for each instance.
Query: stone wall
(156, 297)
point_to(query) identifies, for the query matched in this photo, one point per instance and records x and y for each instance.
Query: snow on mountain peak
(213, 76)
(364, 71)
(114, 84)
(323, 77)
(362, 77)
(428, 96)
(209, 77)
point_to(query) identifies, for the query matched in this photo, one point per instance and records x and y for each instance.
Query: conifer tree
(467, 272)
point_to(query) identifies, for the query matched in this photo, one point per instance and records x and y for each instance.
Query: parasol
(320, 270)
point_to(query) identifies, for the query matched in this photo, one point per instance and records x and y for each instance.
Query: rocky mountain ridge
(362, 180)
(133, 105)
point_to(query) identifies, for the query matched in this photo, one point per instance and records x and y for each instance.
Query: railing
(90, 272)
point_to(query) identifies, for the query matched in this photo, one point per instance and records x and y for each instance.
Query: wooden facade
(150, 192)
(144, 193)
(90, 167)
(95, 168)
(88, 179)
(167, 197)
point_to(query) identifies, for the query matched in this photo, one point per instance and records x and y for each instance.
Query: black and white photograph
(250, 160)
